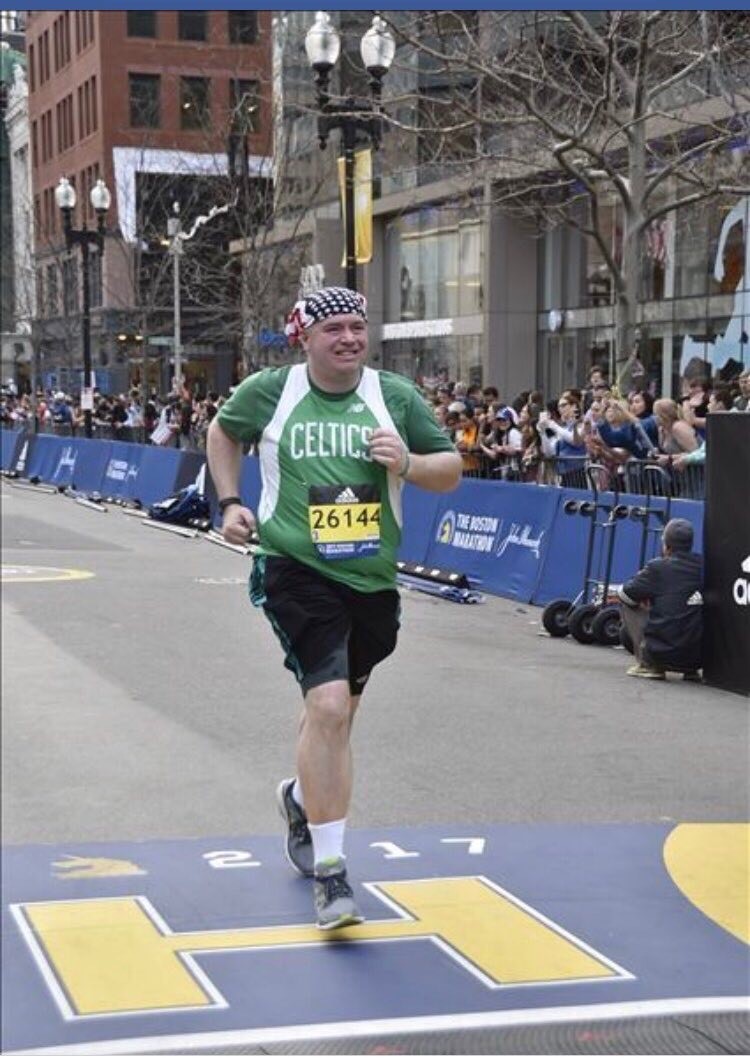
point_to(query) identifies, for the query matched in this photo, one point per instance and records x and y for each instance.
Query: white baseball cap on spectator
(457, 406)
(507, 413)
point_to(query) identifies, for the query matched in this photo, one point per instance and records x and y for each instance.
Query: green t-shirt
(324, 500)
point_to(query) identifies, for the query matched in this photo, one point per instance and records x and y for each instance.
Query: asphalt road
(149, 701)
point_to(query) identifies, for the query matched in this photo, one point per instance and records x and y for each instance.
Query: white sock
(297, 793)
(328, 840)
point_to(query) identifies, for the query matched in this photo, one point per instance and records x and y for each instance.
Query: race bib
(345, 520)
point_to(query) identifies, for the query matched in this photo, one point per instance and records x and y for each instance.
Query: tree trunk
(626, 310)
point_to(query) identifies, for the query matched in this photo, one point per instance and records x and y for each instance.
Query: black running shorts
(328, 630)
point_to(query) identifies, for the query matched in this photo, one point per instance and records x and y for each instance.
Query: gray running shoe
(334, 899)
(298, 845)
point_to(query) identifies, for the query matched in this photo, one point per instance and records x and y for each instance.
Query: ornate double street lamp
(65, 196)
(354, 117)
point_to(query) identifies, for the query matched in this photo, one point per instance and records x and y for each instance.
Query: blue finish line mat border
(123, 947)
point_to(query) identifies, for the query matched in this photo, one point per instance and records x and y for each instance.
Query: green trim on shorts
(256, 585)
(291, 661)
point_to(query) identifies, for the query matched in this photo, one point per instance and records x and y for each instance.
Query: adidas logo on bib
(347, 496)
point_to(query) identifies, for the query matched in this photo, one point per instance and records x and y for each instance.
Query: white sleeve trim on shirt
(371, 392)
(296, 388)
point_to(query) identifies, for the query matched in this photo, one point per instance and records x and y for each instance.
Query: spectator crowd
(532, 438)
(178, 419)
(529, 437)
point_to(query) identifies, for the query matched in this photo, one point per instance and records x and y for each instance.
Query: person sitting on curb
(663, 608)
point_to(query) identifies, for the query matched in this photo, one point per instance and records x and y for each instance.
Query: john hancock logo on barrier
(67, 459)
(121, 470)
(521, 536)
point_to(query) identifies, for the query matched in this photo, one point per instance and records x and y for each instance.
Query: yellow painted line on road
(37, 574)
(710, 864)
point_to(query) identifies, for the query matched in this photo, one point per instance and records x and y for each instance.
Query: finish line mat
(126, 947)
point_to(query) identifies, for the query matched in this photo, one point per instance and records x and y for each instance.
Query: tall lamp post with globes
(65, 196)
(354, 117)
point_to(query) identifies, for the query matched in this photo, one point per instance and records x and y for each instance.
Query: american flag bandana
(330, 301)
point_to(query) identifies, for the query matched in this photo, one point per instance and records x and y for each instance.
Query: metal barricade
(688, 483)
(571, 472)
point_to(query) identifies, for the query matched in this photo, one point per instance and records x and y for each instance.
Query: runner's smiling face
(336, 351)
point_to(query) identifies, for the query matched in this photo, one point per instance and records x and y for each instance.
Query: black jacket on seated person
(674, 629)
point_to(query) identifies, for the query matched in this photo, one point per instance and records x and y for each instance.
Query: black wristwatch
(229, 501)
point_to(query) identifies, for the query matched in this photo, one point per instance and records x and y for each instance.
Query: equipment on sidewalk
(594, 615)
(183, 508)
(607, 627)
(597, 619)
(562, 617)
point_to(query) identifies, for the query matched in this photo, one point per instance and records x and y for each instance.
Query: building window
(141, 23)
(95, 280)
(70, 287)
(64, 113)
(245, 103)
(44, 67)
(65, 38)
(144, 100)
(192, 25)
(51, 290)
(195, 102)
(600, 289)
(243, 27)
(434, 265)
(32, 68)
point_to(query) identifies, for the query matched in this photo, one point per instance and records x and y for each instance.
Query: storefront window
(692, 266)
(426, 359)
(712, 259)
(599, 284)
(434, 265)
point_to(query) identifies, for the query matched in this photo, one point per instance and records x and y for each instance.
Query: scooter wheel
(555, 617)
(606, 626)
(580, 621)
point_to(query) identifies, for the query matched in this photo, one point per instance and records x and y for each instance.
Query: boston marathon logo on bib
(345, 520)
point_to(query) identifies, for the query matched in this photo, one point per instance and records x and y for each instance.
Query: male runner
(336, 441)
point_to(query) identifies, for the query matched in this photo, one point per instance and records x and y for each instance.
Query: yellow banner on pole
(362, 205)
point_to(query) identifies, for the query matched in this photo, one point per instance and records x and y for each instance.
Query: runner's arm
(224, 455)
(436, 471)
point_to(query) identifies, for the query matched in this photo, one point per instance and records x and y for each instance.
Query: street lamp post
(352, 116)
(174, 231)
(178, 238)
(65, 196)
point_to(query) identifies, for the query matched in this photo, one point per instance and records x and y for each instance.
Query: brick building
(153, 102)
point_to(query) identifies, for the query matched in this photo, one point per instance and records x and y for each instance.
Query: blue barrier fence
(514, 539)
